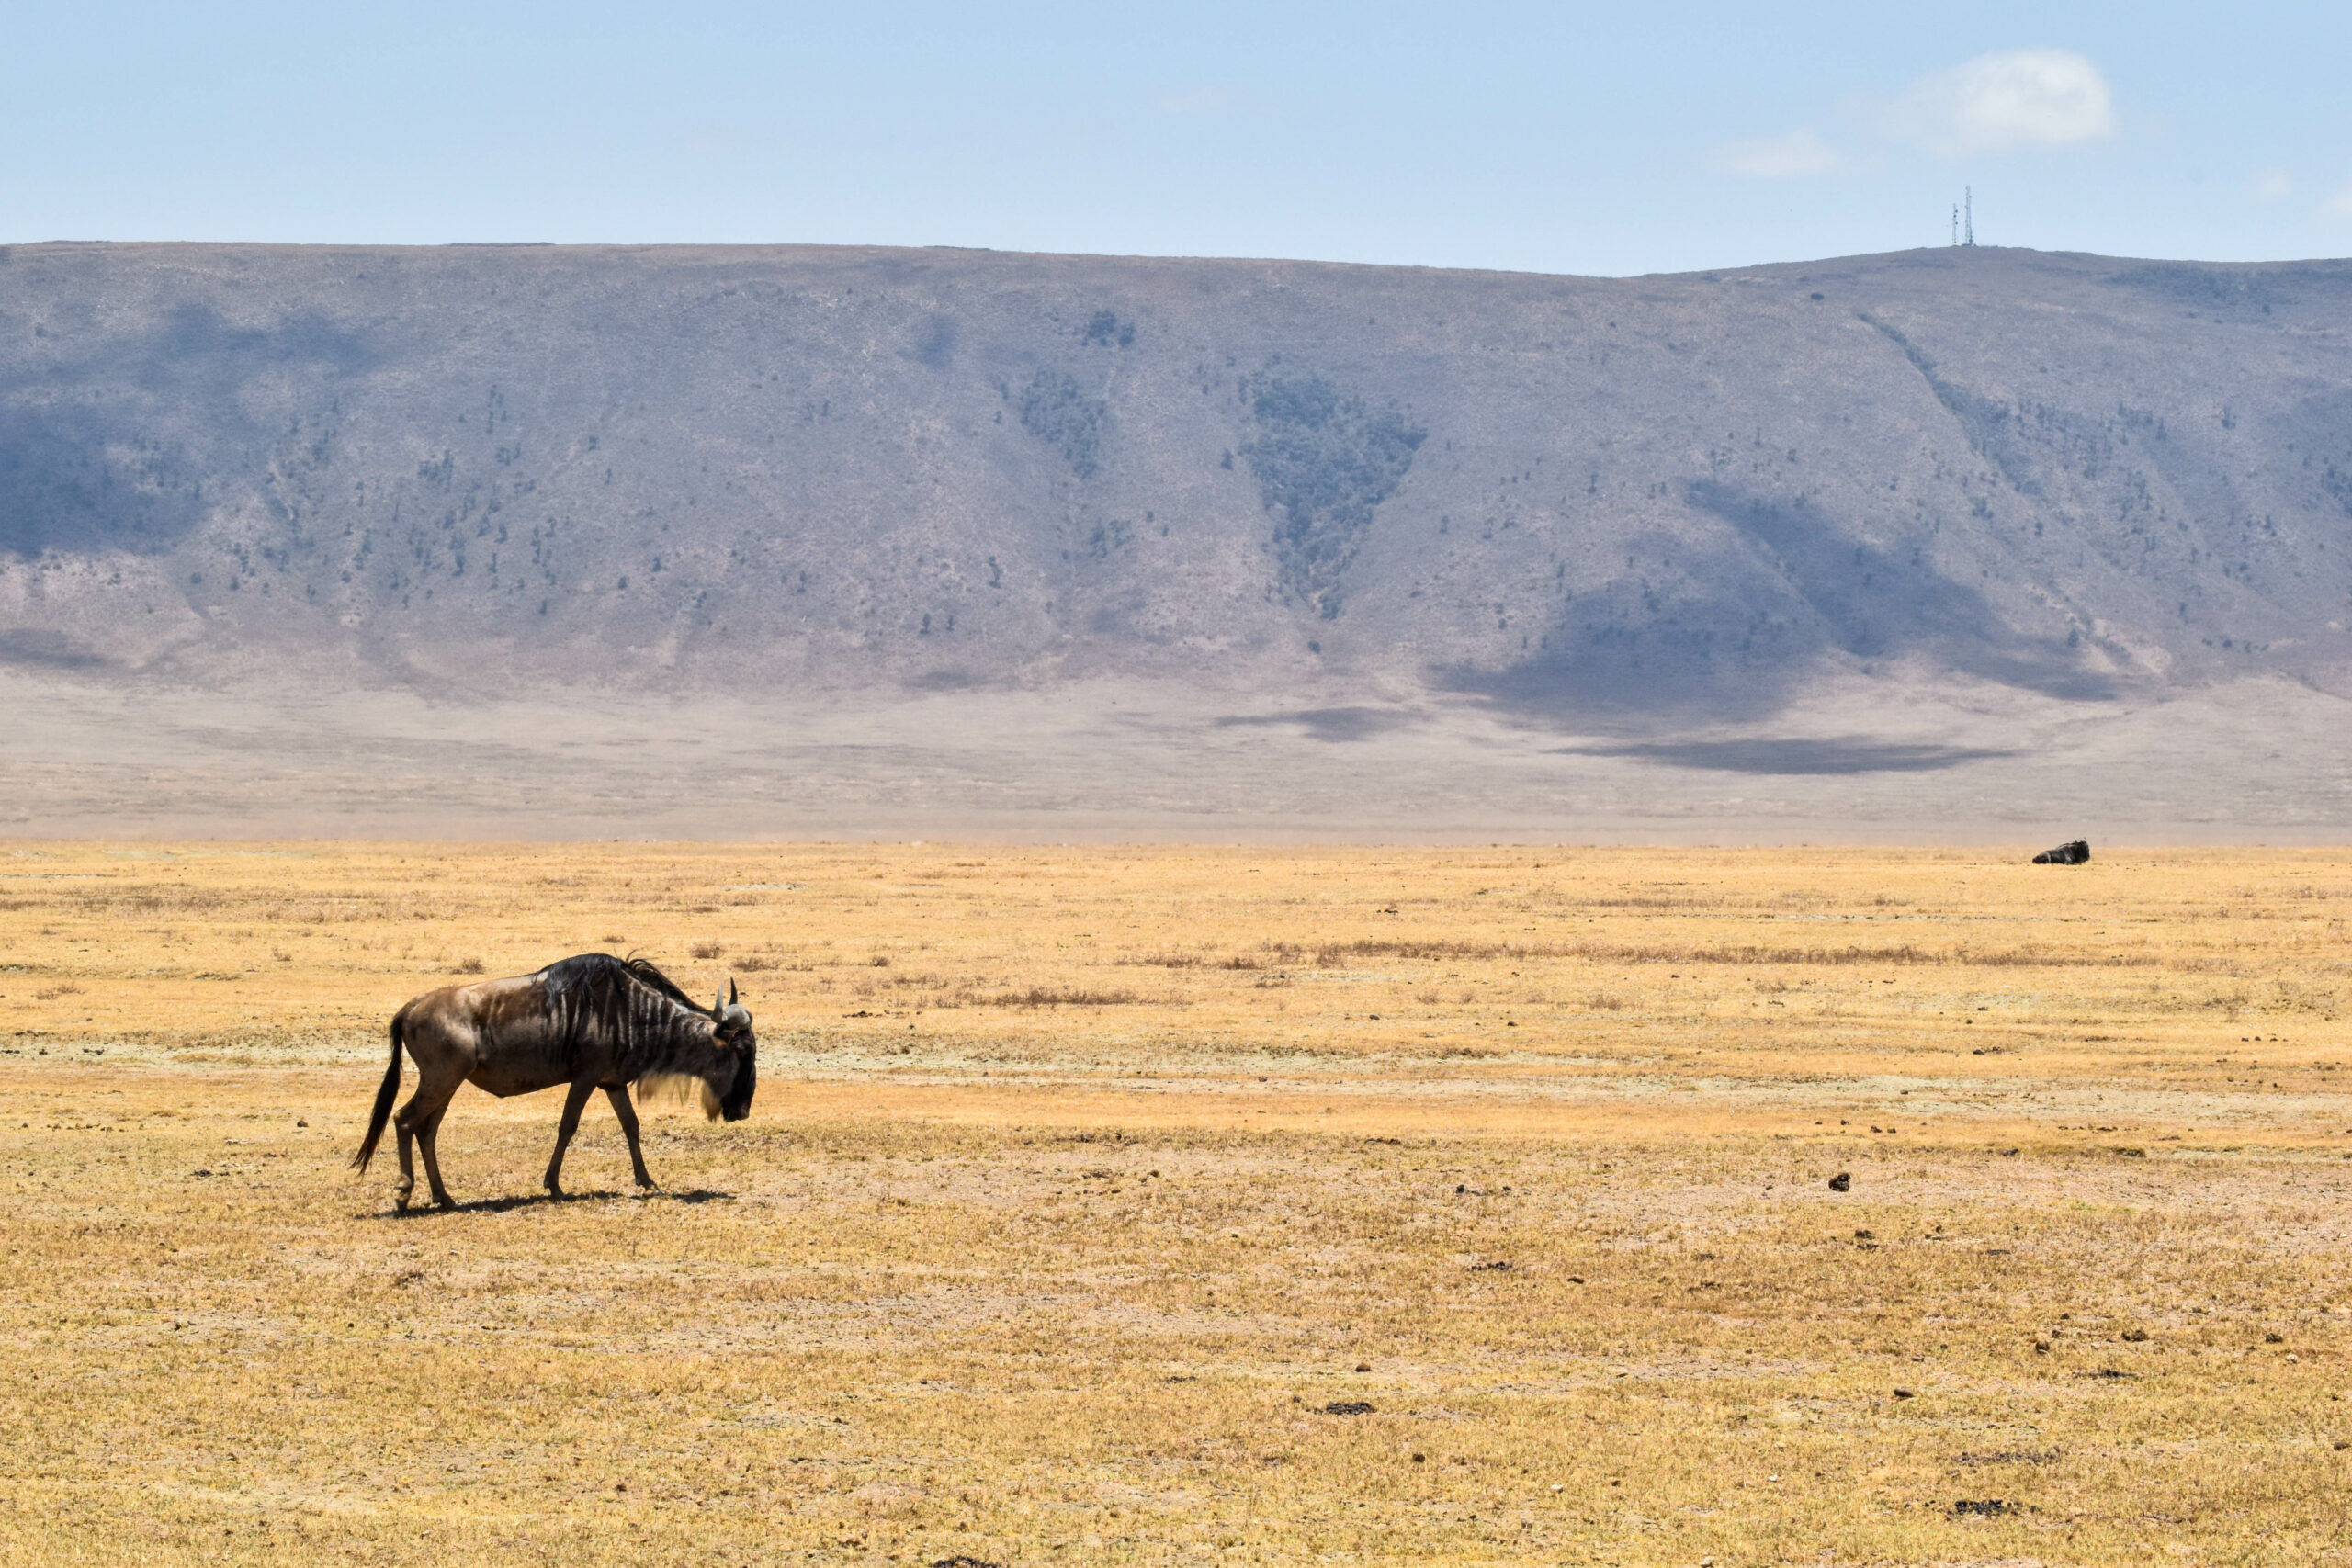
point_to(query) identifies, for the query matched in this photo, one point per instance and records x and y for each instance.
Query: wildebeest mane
(586, 971)
(643, 970)
(628, 1000)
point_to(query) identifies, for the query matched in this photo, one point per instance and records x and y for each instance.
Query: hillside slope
(831, 471)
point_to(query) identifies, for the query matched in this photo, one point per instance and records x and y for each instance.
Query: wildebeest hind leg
(408, 1166)
(420, 1120)
(573, 1099)
(427, 1137)
(627, 1114)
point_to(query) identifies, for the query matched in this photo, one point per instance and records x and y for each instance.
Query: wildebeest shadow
(545, 1199)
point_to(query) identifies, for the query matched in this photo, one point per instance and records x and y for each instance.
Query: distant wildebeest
(2077, 852)
(594, 1021)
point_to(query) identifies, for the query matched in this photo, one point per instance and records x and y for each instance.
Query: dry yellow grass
(1085, 1186)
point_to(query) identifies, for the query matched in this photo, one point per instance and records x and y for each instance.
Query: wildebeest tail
(388, 1092)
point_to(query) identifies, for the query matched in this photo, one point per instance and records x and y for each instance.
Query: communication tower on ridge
(1955, 223)
(1969, 230)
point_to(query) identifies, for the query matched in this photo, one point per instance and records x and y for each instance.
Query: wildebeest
(2076, 853)
(594, 1021)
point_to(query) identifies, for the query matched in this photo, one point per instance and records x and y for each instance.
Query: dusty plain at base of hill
(1922, 760)
(1187, 1205)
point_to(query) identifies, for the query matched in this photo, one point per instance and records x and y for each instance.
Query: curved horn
(717, 1005)
(730, 990)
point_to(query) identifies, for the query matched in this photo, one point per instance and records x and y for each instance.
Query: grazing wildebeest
(2074, 853)
(594, 1022)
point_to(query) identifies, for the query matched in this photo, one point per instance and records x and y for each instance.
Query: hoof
(399, 1204)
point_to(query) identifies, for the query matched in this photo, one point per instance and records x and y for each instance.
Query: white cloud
(2271, 184)
(1798, 153)
(2340, 204)
(2017, 97)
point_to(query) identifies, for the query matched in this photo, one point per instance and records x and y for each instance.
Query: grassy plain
(1196, 1206)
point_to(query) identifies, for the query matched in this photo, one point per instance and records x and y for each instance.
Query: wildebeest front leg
(573, 1099)
(627, 1114)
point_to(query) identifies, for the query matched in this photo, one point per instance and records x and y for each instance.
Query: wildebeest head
(731, 1033)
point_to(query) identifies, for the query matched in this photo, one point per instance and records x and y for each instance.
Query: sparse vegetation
(1324, 461)
(1105, 330)
(1060, 411)
(1059, 997)
(1423, 1236)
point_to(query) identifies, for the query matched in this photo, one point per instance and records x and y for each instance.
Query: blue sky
(1543, 137)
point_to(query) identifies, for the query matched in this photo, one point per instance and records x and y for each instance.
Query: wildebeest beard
(736, 1103)
(695, 1089)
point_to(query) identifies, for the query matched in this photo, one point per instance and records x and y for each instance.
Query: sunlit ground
(1182, 1205)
